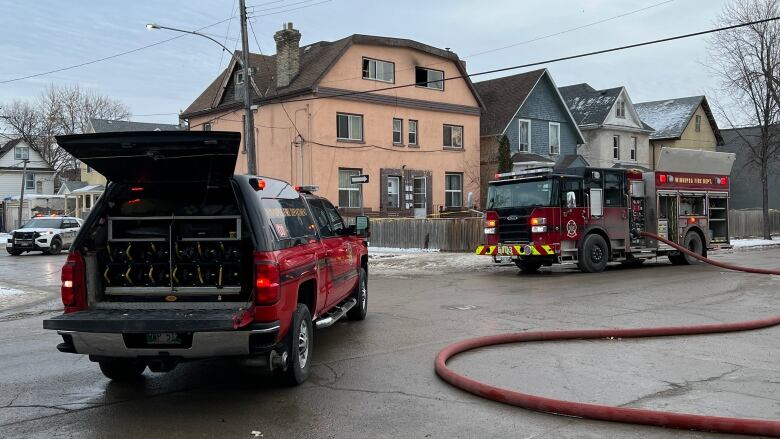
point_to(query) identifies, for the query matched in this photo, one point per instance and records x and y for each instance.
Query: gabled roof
(503, 97)
(315, 60)
(670, 117)
(71, 186)
(588, 105)
(110, 126)
(9, 146)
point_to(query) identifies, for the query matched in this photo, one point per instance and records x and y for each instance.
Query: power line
(604, 20)
(549, 61)
(289, 10)
(227, 32)
(568, 30)
(105, 58)
(278, 7)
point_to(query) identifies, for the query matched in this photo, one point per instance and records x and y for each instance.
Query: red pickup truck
(180, 260)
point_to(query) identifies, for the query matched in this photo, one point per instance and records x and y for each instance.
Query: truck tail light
(491, 222)
(267, 288)
(491, 227)
(73, 288)
(538, 225)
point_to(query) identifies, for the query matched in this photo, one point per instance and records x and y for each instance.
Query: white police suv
(44, 234)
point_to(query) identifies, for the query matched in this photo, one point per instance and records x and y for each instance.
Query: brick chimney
(287, 54)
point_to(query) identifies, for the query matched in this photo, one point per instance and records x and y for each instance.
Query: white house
(40, 176)
(615, 136)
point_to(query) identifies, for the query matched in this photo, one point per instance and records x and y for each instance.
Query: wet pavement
(375, 378)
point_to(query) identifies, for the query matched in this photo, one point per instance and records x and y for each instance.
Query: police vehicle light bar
(524, 172)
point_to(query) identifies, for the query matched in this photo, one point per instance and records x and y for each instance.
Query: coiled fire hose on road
(605, 412)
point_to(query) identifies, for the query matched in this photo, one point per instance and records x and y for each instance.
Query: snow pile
(747, 243)
(403, 263)
(8, 292)
(382, 250)
(4, 238)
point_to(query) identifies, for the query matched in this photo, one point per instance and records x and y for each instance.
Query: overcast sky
(42, 35)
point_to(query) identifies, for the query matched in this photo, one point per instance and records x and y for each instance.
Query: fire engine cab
(592, 216)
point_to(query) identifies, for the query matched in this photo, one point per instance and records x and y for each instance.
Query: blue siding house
(529, 110)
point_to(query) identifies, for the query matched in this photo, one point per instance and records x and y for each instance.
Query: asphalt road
(375, 378)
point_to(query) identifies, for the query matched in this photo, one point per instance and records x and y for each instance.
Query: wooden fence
(749, 223)
(454, 235)
(465, 234)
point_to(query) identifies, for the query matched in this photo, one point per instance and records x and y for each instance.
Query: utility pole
(21, 195)
(249, 125)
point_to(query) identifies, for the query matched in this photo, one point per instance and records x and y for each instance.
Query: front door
(420, 197)
(393, 192)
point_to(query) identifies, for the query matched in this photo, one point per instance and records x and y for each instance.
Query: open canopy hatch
(157, 156)
(695, 161)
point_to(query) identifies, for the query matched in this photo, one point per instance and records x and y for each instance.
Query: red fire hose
(605, 412)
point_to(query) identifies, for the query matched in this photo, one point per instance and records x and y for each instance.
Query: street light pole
(249, 122)
(21, 195)
(249, 125)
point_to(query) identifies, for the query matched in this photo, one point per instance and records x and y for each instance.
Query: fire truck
(592, 216)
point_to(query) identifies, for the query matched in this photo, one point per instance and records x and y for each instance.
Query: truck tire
(594, 254)
(358, 312)
(122, 369)
(693, 243)
(55, 247)
(528, 267)
(13, 252)
(300, 341)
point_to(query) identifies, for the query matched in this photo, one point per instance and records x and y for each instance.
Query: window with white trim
(393, 192)
(453, 189)
(377, 70)
(616, 147)
(453, 136)
(412, 132)
(524, 135)
(22, 153)
(398, 134)
(349, 126)
(620, 109)
(29, 181)
(429, 78)
(555, 138)
(349, 193)
(633, 148)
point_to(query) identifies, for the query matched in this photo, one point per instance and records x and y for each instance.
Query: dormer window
(377, 70)
(620, 109)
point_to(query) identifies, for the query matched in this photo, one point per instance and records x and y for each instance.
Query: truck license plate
(163, 338)
(505, 250)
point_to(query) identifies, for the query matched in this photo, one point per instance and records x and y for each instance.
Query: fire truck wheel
(594, 254)
(528, 266)
(693, 243)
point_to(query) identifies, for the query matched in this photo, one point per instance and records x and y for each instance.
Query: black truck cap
(157, 156)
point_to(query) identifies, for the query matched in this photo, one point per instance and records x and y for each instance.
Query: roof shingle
(502, 98)
(588, 105)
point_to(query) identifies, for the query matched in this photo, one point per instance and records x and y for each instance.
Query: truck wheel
(55, 246)
(300, 341)
(358, 312)
(693, 243)
(594, 254)
(13, 252)
(122, 369)
(528, 267)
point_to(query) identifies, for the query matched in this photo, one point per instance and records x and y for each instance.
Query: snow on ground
(4, 238)
(748, 243)
(10, 297)
(404, 263)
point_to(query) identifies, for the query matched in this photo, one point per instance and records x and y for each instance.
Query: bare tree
(58, 110)
(747, 61)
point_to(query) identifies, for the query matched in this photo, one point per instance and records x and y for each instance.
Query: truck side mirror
(362, 226)
(571, 200)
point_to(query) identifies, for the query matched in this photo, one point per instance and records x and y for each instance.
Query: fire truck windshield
(521, 193)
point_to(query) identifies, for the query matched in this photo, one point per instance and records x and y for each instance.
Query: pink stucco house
(419, 144)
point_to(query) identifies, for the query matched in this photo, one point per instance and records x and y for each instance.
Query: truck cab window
(326, 231)
(335, 219)
(575, 186)
(613, 189)
(289, 218)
